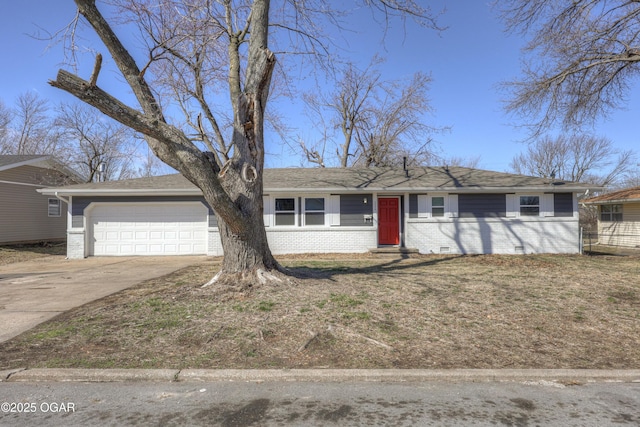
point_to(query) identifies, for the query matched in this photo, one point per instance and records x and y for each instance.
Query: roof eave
(120, 192)
(612, 202)
(537, 189)
(196, 191)
(25, 163)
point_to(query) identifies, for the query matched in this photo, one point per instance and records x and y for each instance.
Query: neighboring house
(618, 217)
(431, 210)
(25, 214)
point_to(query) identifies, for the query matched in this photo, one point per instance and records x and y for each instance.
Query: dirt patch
(542, 311)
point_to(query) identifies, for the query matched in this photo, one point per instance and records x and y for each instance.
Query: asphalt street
(276, 403)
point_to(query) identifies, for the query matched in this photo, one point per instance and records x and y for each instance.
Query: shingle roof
(9, 160)
(433, 178)
(626, 195)
(38, 160)
(352, 179)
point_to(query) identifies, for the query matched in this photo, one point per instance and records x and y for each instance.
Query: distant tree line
(81, 138)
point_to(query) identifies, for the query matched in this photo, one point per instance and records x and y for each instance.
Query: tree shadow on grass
(381, 266)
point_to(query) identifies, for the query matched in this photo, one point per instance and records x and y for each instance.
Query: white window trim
(432, 206)
(541, 208)
(331, 210)
(425, 205)
(611, 213)
(295, 210)
(303, 210)
(57, 203)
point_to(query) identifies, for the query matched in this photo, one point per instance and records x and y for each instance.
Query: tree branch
(168, 142)
(96, 71)
(122, 58)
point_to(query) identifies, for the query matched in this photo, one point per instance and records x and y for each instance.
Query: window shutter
(334, 210)
(423, 208)
(547, 207)
(513, 205)
(453, 205)
(266, 210)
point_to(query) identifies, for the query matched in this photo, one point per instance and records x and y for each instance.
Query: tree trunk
(247, 253)
(247, 257)
(234, 191)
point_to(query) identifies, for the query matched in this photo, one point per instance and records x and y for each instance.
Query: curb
(561, 376)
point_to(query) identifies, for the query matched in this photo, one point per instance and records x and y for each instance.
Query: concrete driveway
(32, 292)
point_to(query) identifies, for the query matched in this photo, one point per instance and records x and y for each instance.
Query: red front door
(388, 221)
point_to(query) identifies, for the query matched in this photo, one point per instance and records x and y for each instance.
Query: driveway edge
(559, 376)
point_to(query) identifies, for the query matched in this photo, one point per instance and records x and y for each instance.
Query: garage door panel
(141, 235)
(156, 235)
(149, 229)
(113, 235)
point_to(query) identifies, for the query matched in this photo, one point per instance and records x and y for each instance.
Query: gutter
(453, 190)
(194, 191)
(59, 197)
(21, 183)
(129, 192)
(56, 194)
(611, 202)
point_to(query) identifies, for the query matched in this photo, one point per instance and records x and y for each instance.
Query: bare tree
(631, 178)
(582, 58)
(346, 109)
(467, 162)
(190, 47)
(28, 127)
(369, 121)
(5, 121)
(394, 128)
(574, 158)
(97, 147)
(150, 165)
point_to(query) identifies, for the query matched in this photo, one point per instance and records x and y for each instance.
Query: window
(437, 206)
(529, 205)
(54, 208)
(611, 213)
(314, 211)
(426, 206)
(286, 211)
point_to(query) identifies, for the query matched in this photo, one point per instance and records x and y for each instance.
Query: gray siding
(563, 204)
(413, 206)
(79, 204)
(353, 209)
(24, 211)
(482, 205)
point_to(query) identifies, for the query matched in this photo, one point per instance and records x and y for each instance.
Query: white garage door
(148, 229)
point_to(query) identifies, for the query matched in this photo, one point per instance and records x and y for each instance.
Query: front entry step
(394, 251)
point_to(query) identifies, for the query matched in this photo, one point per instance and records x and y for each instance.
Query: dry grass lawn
(18, 253)
(539, 311)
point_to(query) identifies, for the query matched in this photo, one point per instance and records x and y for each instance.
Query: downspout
(61, 198)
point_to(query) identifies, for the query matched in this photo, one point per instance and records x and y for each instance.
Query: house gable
(25, 215)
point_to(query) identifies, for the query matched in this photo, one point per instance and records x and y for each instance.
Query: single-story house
(428, 209)
(618, 217)
(25, 214)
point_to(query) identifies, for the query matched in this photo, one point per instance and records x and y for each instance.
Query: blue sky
(467, 62)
